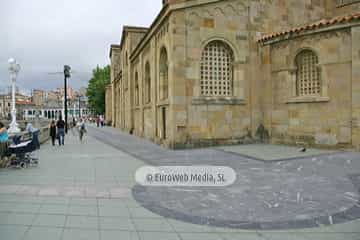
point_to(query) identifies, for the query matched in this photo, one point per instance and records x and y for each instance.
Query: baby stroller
(22, 150)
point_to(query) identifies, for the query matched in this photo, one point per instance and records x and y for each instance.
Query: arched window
(307, 74)
(163, 67)
(147, 83)
(217, 70)
(136, 92)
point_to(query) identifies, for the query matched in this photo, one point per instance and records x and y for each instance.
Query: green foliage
(96, 89)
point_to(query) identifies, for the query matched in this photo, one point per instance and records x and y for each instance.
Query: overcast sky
(43, 35)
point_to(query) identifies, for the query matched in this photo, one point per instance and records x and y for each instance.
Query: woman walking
(53, 132)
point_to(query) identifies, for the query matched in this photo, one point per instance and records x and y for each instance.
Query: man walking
(61, 131)
(82, 129)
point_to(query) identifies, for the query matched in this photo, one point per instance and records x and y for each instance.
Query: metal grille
(308, 74)
(216, 70)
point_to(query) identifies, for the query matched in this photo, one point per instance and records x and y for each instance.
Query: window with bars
(308, 74)
(217, 70)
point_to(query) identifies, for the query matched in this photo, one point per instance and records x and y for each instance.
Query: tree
(96, 88)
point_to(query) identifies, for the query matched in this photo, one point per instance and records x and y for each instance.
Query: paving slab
(36, 233)
(12, 232)
(123, 235)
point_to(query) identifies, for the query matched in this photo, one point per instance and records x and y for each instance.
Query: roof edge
(323, 24)
(113, 46)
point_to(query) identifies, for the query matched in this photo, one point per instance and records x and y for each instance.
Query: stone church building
(227, 71)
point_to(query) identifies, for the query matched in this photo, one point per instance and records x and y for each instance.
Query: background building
(46, 105)
(5, 105)
(39, 97)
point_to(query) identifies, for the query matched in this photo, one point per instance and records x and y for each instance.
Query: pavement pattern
(87, 191)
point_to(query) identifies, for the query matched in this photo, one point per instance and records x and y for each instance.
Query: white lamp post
(14, 69)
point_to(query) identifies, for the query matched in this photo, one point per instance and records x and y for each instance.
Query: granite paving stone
(18, 219)
(123, 235)
(116, 223)
(80, 234)
(36, 233)
(12, 232)
(84, 222)
(152, 225)
(159, 235)
(46, 220)
(54, 209)
(197, 236)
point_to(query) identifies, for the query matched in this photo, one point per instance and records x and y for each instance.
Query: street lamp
(14, 69)
(67, 75)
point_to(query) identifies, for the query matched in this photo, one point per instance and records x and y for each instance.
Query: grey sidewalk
(84, 191)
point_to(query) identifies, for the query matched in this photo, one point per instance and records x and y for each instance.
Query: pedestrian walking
(53, 132)
(97, 121)
(61, 131)
(82, 129)
(102, 121)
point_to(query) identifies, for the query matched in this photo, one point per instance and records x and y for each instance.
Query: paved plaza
(88, 191)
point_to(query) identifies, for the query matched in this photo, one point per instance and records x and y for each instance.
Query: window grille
(216, 70)
(308, 74)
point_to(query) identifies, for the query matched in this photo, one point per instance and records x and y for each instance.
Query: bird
(303, 149)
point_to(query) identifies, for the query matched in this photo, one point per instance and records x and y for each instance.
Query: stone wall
(112, 106)
(320, 120)
(199, 119)
(147, 122)
(334, 7)
(108, 103)
(355, 88)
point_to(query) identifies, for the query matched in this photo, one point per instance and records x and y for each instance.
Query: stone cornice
(291, 36)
